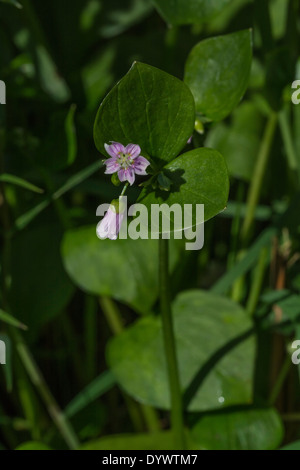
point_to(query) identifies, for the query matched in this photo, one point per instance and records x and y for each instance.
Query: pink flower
(110, 225)
(127, 161)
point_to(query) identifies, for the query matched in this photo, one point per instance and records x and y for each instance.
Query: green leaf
(155, 441)
(92, 392)
(238, 141)
(40, 288)
(12, 179)
(215, 358)
(32, 445)
(292, 446)
(114, 268)
(71, 183)
(197, 177)
(252, 429)
(10, 320)
(189, 11)
(150, 108)
(217, 71)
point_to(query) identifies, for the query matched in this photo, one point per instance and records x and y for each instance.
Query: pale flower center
(125, 160)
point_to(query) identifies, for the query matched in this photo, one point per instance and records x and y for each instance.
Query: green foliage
(158, 441)
(215, 357)
(36, 298)
(96, 374)
(196, 177)
(189, 11)
(217, 71)
(252, 429)
(115, 269)
(150, 108)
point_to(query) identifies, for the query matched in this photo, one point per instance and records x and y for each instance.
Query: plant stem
(280, 380)
(258, 279)
(285, 128)
(263, 20)
(124, 189)
(115, 323)
(34, 373)
(170, 347)
(39, 383)
(257, 179)
(112, 315)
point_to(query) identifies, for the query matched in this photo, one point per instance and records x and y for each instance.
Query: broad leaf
(215, 354)
(252, 429)
(217, 71)
(189, 11)
(150, 108)
(114, 268)
(40, 288)
(197, 177)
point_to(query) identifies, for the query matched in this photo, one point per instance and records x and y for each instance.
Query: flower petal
(133, 150)
(130, 176)
(114, 149)
(122, 175)
(112, 165)
(140, 164)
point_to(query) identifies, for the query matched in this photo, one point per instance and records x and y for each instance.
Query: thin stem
(258, 279)
(36, 377)
(90, 333)
(124, 189)
(58, 417)
(170, 347)
(112, 315)
(287, 138)
(263, 20)
(115, 323)
(257, 179)
(280, 380)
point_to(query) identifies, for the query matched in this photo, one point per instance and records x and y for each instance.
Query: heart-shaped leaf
(189, 11)
(197, 177)
(215, 354)
(217, 71)
(115, 268)
(150, 108)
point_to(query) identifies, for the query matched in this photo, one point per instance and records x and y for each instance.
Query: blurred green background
(58, 59)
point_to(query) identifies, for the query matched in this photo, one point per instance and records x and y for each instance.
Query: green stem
(287, 138)
(115, 323)
(124, 189)
(58, 417)
(280, 380)
(258, 177)
(90, 333)
(112, 315)
(258, 279)
(263, 20)
(170, 347)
